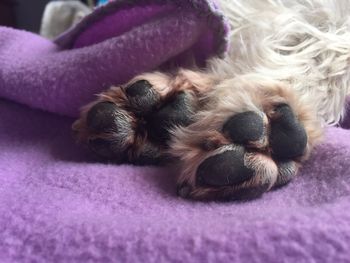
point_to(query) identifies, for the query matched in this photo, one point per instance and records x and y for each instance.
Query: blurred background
(27, 14)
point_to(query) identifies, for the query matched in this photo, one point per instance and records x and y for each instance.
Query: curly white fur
(305, 43)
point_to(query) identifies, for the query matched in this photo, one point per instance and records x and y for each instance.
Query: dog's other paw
(259, 149)
(132, 123)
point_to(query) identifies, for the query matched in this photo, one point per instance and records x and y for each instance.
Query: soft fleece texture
(58, 205)
(114, 43)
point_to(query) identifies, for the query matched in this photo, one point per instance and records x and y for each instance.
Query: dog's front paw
(132, 123)
(261, 151)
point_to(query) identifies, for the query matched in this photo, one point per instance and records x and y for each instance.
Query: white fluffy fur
(304, 43)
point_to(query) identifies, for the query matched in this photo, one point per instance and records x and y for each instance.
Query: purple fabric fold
(58, 205)
(114, 43)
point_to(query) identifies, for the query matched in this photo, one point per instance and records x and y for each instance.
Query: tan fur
(229, 97)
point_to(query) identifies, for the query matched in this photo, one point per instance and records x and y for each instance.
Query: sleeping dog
(245, 124)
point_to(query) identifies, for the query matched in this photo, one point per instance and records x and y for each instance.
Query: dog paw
(261, 152)
(132, 123)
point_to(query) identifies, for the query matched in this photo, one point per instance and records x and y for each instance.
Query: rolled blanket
(108, 47)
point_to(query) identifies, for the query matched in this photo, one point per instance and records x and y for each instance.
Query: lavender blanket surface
(111, 45)
(58, 205)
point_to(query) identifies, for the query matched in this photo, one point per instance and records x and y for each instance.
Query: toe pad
(142, 97)
(288, 138)
(244, 127)
(101, 117)
(224, 169)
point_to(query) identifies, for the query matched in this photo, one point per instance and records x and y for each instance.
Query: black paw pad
(224, 169)
(106, 117)
(101, 117)
(142, 97)
(178, 111)
(288, 138)
(244, 127)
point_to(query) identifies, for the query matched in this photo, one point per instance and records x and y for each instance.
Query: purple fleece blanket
(110, 46)
(58, 205)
